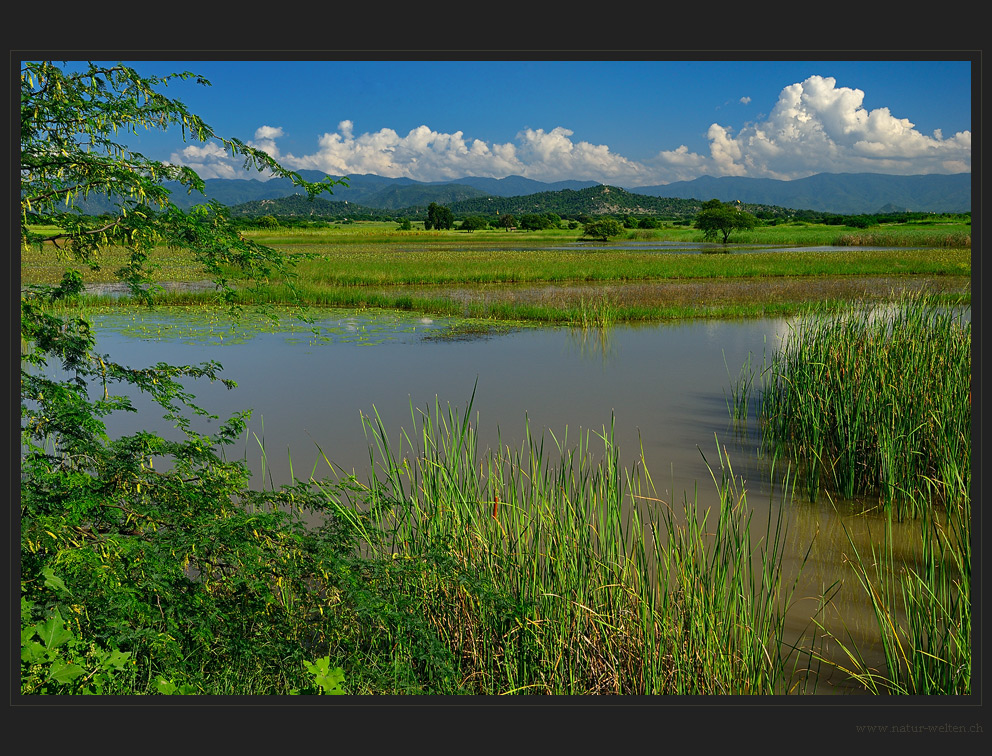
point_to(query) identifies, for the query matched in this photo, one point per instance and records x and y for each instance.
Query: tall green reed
(572, 575)
(922, 610)
(876, 400)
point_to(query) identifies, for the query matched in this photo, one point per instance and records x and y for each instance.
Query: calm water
(663, 388)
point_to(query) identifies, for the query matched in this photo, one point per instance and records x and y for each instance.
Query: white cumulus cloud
(209, 160)
(428, 155)
(815, 126)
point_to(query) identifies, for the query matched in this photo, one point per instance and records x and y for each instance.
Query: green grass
(922, 610)
(876, 401)
(572, 576)
(914, 234)
(396, 265)
(941, 233)
(446, 273)
(380, 256)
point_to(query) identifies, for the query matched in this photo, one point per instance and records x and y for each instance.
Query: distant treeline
(567, 206)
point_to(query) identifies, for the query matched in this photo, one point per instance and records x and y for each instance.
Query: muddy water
(662, 389)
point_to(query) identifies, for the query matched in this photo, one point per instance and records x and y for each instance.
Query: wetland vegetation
(489, 571)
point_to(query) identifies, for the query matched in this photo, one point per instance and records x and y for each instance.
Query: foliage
(438, 217)
(719, 218)
(538, 221)
(473, 223)
(163, 554)
(56, 660)
(603, 229)
(329, 681)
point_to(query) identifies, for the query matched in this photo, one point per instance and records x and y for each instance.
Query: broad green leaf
(64, 672)
(32, 652)
(118, 659)
(53, 632)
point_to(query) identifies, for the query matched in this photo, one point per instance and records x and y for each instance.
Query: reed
(922, 610)
(573, 577)
(917, 237)
(601, 312)
(875, 400)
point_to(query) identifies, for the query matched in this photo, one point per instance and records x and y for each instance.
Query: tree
(717, 217)
(603, 229)
(172, 565)
(474, 222)
(534, 221)
(507, 221)
(438, 217)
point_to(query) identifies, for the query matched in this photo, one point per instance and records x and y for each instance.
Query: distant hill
(841, 193)
(595, 200)
(516, 186)
(372, 191)
(838, 193)
(568, 203)
(413, 195)
(318, 208)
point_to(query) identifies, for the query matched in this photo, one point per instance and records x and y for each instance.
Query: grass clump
(876, 400)
(519, 576)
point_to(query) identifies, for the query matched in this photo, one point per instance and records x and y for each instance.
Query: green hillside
(570, 203)
(567, 203)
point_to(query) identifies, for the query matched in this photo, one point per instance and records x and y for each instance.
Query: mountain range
(840, 193)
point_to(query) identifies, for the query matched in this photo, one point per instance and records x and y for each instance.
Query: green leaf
(32, 652)
(329, 680)
(53, 632)
(64, 672)
(118, 659)
(53, 581)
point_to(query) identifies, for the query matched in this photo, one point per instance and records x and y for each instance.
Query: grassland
(551, 276)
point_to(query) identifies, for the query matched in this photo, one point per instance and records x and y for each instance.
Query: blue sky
(628, 123)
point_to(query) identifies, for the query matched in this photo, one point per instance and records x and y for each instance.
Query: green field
(486, 274)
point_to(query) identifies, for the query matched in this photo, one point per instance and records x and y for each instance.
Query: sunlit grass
(333, 267)
(377, 256)
(575, 577)
(876, 401)
(922, 610)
